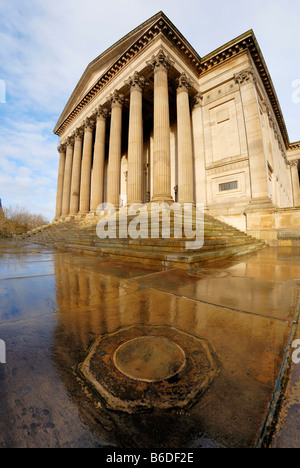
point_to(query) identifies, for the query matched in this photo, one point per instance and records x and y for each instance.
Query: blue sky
(46, 45)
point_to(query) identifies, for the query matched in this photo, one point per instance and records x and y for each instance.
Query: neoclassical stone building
(150, 120)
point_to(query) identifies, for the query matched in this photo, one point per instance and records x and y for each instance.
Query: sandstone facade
(150, 120)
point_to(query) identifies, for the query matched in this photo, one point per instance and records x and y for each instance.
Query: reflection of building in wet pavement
(246, 341)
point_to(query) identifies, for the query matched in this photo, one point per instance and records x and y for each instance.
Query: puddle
(224, 355)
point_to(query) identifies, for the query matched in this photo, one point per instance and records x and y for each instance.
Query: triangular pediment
(107, 65)
(102, 63)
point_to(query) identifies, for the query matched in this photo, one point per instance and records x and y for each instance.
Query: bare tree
(19, 220)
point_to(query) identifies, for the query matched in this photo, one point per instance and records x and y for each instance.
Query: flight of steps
(221, 242)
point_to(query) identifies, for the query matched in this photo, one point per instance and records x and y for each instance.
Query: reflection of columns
(257, 157)
(67, 178)
(60, 182)
(86, 167)
(75, 185)
(161, 156)
(295, 182)
(135, 140)
(185, 148)
(99, 156)
(115, 147)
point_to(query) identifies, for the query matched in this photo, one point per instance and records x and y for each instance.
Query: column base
(91, 214)
(81, 215)
(186, 202)
(133, 202)
(162, 199)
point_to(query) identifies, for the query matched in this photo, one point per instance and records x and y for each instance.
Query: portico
(151, 120)
(91, 157)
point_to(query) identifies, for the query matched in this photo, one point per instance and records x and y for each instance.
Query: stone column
(160, 65)
(60, 181)
(115, 147)
(295, 182)
(99, 156)
(257, 157)
(67, 178)
(76, 173)
(86, 167)
(185, 145)
(199, 150)
(135, 186)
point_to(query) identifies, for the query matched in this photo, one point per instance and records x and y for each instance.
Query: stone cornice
(294, 146)
(160, 25)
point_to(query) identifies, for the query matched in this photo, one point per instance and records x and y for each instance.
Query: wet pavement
(55, 305)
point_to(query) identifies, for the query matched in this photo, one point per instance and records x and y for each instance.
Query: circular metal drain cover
(141, 368)
(149, 359)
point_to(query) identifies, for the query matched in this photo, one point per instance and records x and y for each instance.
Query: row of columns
(80, 190)
(294, 165)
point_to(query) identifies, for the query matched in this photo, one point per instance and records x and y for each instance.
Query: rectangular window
(228, 186)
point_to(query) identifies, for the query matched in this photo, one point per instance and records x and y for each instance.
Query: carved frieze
(226, 167)
(219, 92)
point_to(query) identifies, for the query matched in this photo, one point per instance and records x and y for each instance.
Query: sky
(45, 46)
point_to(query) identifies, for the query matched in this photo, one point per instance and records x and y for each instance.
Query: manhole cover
(141, 368)
(149, 359)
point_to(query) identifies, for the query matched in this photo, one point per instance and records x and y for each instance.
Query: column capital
(197, 100)
(78, 134)
(70, 140)
(245, 76)
(183, 83)
(89, 124)
(293, 163)
(61, 148)
(116, 99)
(160, 61)
(136, 82)
(101, 112)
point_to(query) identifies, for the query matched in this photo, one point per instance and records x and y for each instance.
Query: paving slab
(51, 320)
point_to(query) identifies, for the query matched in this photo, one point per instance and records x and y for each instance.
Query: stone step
(172, 242)
(185, 260)
(221, 242)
